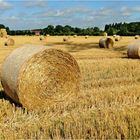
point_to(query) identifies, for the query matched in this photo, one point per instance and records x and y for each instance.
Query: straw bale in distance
(137, 36)
(9, 42)
(104, 34)
(86, 36)
(3, 32)
(134, 50)
(7, 36)
(42, 37)
(74, 36)
(65, 39)
(114, 36)
(106, 42)
(69, 37)
(37, 77)
(117, 38)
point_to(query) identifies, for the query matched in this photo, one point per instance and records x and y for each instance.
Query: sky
(33, 14)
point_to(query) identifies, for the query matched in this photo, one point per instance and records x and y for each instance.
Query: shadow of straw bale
(121, 48)
(80, 47)
(5, 97)
(76, 47)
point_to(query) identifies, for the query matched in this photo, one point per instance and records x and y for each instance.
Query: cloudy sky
(31, 14)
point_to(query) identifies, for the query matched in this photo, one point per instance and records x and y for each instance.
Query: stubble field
(107, 107)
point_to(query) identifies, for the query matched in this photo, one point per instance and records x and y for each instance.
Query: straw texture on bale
(9, 42)
(134, 50)
(37, 77)
(106, 43)
(136, 36)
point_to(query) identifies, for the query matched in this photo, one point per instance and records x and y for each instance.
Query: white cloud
(76, 12)
(125, 11)
(63, 13)
(128, 11)
(51, 13)
(75, 16)
(79, 16)
(12, 18)
(104, 12)
(35, 3)
(137, 9)
(4, 5)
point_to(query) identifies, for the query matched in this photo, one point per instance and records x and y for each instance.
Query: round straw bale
(106, 42)
(38, 77)
(117, 38)
(3, 32)
(136, 36)
(134, 50)
(9, 42)
(69, 37)
(41, 37)
(104, 34)
(86, 36)
(47, 35)
(65, 39)
(114, 36)
(7, 36)
(74, 36)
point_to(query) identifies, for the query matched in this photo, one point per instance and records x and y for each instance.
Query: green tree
(123, 31)
(49, 30)
(2, 26)
(59, 30)
(96, 29)
(67, 30)
(111, 31)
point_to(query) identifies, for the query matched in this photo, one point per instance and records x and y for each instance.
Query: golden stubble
(108, 106)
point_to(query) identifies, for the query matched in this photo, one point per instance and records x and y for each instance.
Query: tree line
(123, 29)
(68, 30)
(60, 30)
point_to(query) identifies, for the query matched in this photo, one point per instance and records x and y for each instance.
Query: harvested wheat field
(107, 106)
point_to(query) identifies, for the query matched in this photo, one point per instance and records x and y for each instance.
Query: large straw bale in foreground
(134, 50)
(9, 42)
(106, 42)
(37, 77)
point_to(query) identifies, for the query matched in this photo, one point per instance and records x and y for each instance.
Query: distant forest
(124, 29)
